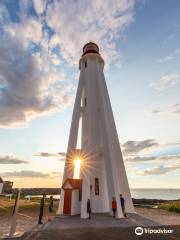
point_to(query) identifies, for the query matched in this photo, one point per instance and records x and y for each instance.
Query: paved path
(100, 227)
(126, 233)
(99, 221)
(24, 223)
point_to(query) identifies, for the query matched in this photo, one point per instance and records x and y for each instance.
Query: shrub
(171, 207)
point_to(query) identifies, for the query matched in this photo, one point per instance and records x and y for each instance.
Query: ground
(27, 215)
(99, 227)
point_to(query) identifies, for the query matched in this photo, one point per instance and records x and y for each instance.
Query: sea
(164, 194)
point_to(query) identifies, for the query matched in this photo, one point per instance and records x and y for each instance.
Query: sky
(40, 45)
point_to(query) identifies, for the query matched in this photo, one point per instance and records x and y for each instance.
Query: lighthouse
(102, 174)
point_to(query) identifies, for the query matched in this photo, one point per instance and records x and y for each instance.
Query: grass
(171, 207)
(30, 208)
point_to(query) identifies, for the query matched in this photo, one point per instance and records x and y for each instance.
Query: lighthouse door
(67, 201)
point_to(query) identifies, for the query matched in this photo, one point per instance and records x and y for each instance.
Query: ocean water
(165, 194)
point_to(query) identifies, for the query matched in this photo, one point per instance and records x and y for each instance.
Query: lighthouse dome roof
(90, 47)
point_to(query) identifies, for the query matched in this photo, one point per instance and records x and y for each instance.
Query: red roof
(1, 181)
(75, 183)
(90, 43)
(90, 48)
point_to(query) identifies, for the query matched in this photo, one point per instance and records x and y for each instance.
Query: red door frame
(67, 201)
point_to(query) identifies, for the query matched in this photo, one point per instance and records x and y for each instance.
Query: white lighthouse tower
(102, 172)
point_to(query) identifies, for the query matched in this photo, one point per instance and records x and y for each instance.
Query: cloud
(139, 164)
(62, 160)
(39, 5)
(159, 170)
(11, 160)
(33, 49)
(165, 158)
(172, 109)
(56, 175)
(176, 108)
(25, 174)
(155, 111)
(166, 59)
(175, 54)
(4, 14)
(28, 30)
(30, 87)
(149, 163)
(78, 22)
(32, 82)
(59, 155)
(134, 147)
(177, 51)
(62, 154)
(140, 159)
(47, 154)
(165, 82)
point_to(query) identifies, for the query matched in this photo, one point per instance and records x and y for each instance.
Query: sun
(77, 166)
(77, 162)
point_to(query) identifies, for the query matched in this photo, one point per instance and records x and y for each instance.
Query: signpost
(12, 230)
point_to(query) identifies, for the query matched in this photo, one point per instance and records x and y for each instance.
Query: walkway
(100, 227)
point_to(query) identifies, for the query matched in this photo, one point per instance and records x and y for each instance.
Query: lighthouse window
(96, 186)
(85, 64)
(85, 102)
(80, 195)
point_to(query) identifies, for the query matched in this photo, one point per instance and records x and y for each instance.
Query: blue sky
(40, 45)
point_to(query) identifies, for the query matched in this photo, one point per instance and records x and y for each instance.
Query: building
(73, 196)
(102, 172)
(7, 187)
(1, 185)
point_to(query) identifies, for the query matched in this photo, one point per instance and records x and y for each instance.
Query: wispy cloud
(141, 160)
(25, 174)
(171, 109)
(48, 154)
(161, 169)
(172, 158)
(155, 111)
(170, 57)
(177, 51)
(11, 160)
(56, 175)
(99, 21)
(45, 154)
(134, 147)
(165, 82)
(176, 108)
(166, 59)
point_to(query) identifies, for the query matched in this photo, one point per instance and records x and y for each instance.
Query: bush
(171, 207)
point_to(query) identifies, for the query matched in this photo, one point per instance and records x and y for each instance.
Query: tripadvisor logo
(140, 231)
